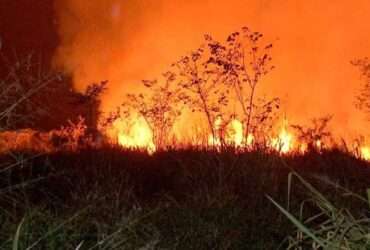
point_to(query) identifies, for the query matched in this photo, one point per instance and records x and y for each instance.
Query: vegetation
(205, 82)
(107, 197)
(20, 92)
(242, 64)
(160, 107)
(363, 99)
(332, 227)
(317, 135)
(187, 199)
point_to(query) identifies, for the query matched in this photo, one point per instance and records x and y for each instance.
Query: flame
(154, 37)
(284, 142)
(214, 140)
(234, 134)
(365, 153)
(138, 135)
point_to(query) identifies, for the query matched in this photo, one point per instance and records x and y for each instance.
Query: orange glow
(313, 44)
(233, 134)
(284, 142)
(135, 136)
(25, 140)
(365, 153)
(134, 40)
(303, 148)
(215, 140)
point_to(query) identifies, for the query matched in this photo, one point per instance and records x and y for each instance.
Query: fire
(365, 153)
(233, 134)
(26, 139)
(284, 142)
(137, 135)
(215, 140)
(303, 148)
(311, 98)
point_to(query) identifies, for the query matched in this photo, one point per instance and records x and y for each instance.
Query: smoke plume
(314, 41)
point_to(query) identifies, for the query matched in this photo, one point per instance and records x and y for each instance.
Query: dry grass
(116, 199)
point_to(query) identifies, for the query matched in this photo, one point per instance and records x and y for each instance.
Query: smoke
(129, 40)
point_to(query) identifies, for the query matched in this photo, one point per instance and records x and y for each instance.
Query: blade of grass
(17, 235)
(289, 189)
(298, 224)
(316, 193)
(79, 246)
(55, 229)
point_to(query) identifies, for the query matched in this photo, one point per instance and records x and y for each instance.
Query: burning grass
(135, 184)
(112, 198)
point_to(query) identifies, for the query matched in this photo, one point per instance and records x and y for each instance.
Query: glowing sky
(314, 42)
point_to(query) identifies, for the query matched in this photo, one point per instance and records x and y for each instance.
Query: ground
(183, 199)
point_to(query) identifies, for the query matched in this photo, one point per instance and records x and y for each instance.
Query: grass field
(183, 199)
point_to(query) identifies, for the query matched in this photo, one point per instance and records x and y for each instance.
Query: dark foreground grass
(185, 199)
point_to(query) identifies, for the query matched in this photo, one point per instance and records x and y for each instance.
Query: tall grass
(20, 83)
(111, 198)
(333, 226)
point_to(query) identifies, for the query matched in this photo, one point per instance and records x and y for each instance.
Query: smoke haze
(314, 42)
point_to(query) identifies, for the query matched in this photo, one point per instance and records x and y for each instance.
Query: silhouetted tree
(107, 119)
(204, 91)
(208, 76)
(363, 99)
(316, 135)
(160, 104)
(242, 62)
(90, 99)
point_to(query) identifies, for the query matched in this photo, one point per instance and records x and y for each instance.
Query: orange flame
(234, 134)
(137, 135)
(284, 142)
(365, 153)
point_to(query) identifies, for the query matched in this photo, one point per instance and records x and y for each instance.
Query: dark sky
(28, 26)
